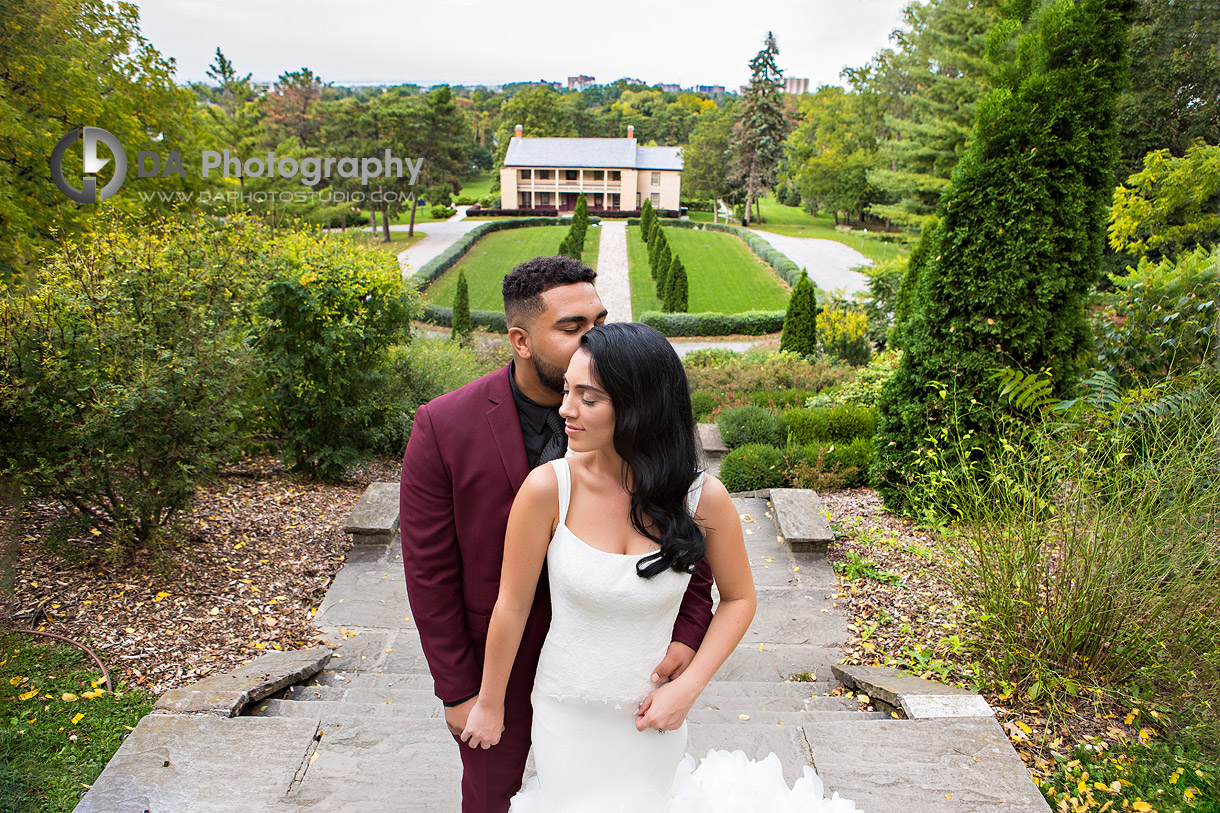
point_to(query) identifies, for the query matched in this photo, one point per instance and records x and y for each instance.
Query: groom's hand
(676, 659)
(456, 716)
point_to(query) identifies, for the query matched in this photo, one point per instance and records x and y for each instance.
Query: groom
(469, 452)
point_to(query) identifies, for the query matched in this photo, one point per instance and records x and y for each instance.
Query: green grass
(422, 215)
(723, 275)
(51, 749)
(478, 187)
(794, 221)
(398, 240)
(498, 253)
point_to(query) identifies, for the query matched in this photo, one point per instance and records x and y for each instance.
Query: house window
(525, 174)
(656, 179)
(597, 201)
(615, 175)
(544, 174)
(599, 175)
(571, 174)
(656, 199)
(544, 198)
(637, 200)
(525, 199)
(615, 198)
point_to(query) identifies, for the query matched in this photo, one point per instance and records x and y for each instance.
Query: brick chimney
(630, 131)
(518, 131)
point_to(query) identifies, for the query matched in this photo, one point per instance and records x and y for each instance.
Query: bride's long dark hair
(654, 433)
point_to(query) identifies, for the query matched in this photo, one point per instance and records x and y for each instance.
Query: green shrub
(125, 370)
(843, 333)
(843, 423)
(329, 312)
(440, 212)
(752, 467)
(778, 399)
(702, 403)
(751, 424)
(765, 369)
(824, 466)
(422, 370)
(749, 323)
(801, 320)
(465, 200)
(1162, 320)
(865, 388)
(461, 310)
(709, 357)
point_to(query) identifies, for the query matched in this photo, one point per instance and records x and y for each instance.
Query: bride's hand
(665, 709)
(484, 726)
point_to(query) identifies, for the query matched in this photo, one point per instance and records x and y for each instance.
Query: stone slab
(800, 519)
(365, 765)
(376, 513)
(708, 435)
(202, 764)
(930, 766)
(368, 592)
(915, 696)
(756, 742)
(225, 695)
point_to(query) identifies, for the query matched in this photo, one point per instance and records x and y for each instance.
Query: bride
(620, 524)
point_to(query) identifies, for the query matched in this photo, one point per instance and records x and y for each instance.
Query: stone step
(359, 694)
(768, 688)
(751, 705)
(396, 680)
(755, 719)
(328, 709)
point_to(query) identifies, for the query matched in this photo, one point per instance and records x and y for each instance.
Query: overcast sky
(467, 42)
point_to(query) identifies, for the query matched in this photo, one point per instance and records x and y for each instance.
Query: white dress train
(609, 628)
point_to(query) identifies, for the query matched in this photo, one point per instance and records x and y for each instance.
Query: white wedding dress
(609, 629)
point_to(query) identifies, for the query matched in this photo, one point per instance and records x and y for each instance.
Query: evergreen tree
(759, 134)
(674, 299)
(663, 279)
(1005, 281)
(653, 243)
(663, 258)
(462, 327)
(801, 320)
(648, 219)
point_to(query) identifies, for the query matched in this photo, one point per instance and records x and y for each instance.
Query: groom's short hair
(524, 286)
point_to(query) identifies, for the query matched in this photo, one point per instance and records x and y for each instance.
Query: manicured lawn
(794, 221)
(55, 740)
(479, 187)
(498, 253)
(422, 215)
(723, 275)
(399, 240)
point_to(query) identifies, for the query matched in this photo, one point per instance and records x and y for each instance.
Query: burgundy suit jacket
(464, 463)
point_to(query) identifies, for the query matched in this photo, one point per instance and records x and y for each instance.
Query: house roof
(592, 153)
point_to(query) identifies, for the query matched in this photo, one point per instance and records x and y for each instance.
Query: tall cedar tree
(648, 219)
(759, 134)
(1005, 281)
(664, 256)
(801, 320)
(461, 311)
(674, 300)
(653, 243)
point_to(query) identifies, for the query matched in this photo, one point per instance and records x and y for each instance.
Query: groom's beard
(549, 375)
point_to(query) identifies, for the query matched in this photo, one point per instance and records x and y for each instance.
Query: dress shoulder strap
(564, 475)
(692, 496)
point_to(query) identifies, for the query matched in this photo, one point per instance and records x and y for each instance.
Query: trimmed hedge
(490, 321)
(541, 211)
(749, 323)
(843, 423)
(749, 468)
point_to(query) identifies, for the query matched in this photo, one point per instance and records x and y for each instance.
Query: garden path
(613, 280)
(828, 262)
(441, 235)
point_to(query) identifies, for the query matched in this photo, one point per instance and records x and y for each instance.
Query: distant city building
(613, 173)
(581, 82)
(796, 86)
(671, 88)
(631, 81)
(709, 89)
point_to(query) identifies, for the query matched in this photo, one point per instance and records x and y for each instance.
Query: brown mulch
(915, 624)
(257, 552)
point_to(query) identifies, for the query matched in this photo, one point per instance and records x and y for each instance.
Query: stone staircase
(358, 728)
